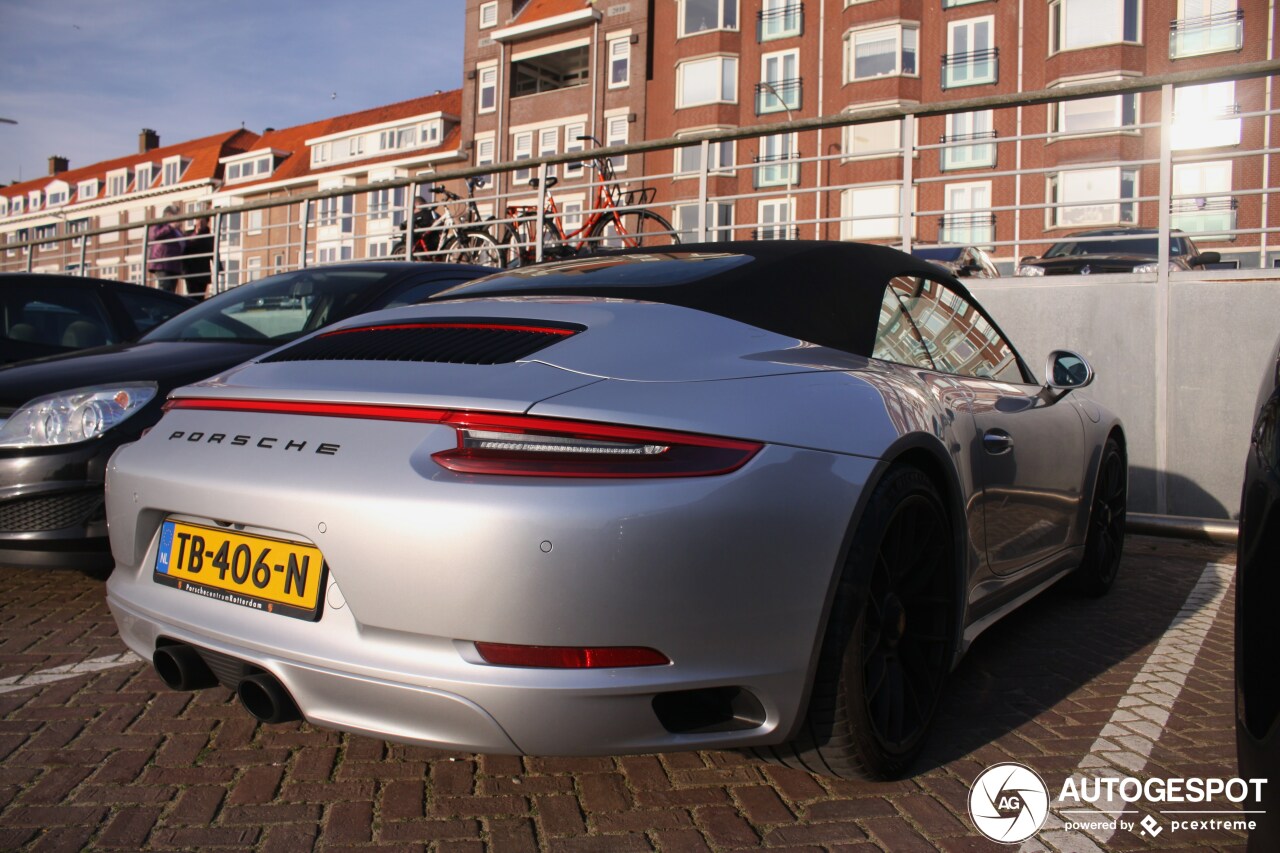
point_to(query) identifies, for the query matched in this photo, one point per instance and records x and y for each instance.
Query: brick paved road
(110, 759)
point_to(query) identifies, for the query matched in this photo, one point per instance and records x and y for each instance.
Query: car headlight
(77, 415)
(1029, 270)
(1154, 266)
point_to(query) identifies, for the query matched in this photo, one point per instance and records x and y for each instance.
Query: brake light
(530, 446)
(570, 657)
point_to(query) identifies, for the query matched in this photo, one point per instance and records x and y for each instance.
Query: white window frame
(781, 26)
(1212, 211)
(1205, 38)
(617, 131)
(976, 197)
(778, 67)
(619, 56)
(522, 149)
(486, 148)
(726, 72)
(781, 169)
(780, 213)
(871, 132)
(1063, 113)
(972, 28)
(486, 80)
(727, 18)
(488, 16)
(172, 169)
(1201, 116)
(719, 221)
(885, 222)
(57, 194)
(1097, 29)
(904, 33)
(549, 145)
(143, 177)
(87, 190)
(118, 183)
(574, 168)
(979, 155)
(687, 160)
(1109, 206)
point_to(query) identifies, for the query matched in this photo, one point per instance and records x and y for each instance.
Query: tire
(474, 247)
(631, 228)
(890, 639)
(1104, 541)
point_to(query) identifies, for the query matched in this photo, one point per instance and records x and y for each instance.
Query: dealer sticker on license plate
(272, 575)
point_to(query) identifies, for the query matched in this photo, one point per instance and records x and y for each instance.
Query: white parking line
(71, 670)
(1129, 736)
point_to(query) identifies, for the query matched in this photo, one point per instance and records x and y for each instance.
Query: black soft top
(824, 292)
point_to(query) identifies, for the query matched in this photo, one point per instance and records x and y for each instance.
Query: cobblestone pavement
(95, 753)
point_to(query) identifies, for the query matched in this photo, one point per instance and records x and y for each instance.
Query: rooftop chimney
(148, 140)
(57, 164)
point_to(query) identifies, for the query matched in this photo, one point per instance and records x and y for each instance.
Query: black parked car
(960, 261)
(1116, 250)
(43, 314)
(65, 415)
(1257, 632)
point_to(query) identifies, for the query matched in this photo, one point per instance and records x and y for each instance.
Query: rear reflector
(570, 657)
(528, 446)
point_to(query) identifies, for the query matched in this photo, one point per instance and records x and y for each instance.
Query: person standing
(164, 257)
(197, 265)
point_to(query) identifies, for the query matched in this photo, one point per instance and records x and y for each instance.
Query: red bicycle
(618, 219)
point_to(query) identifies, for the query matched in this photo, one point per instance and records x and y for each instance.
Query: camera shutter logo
(1008, 803)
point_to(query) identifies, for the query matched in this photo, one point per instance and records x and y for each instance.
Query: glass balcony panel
(1210, 34)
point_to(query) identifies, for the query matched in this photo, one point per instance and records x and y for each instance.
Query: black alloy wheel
(1104, 541)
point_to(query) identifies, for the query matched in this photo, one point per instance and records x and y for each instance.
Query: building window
(173, 170)
(78, 227)
(248, 169)
(142, 178)
(57, 196)
(870, 213)
(968, 220)
(779, 87)
(48, 234)
(776, 161)
(320, 154)
(1075, 24)
(118, 183)
(873, 139)
(707, 81)
(1206, 26)
(17, 205)
(774, 218)
(398, 138)
(1205, 116)
(1202, 203)
(778, 19)
(971, 59)
(880, 52)
(1094, 115)
(387, 204)
(698, 16)
(617, 131)
(333, 211)
(719, 222)
(1086, 197)
(487, 89)
(355, 146)
(573, 142)
(964, 128)
(87, 190)
(549, 145)
(619, 61)
(522, 149)
(488, 15)
(485, 150)
(719, 156)
(549, 72)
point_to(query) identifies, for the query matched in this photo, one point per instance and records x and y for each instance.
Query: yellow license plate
(272, 575)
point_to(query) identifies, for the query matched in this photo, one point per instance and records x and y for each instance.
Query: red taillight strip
(570, 657)
(686, 455)
(492, 327)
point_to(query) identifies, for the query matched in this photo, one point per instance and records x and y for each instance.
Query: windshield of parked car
(1145, 246)
(273, 310)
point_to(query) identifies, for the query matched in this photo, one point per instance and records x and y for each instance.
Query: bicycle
(463, 239)
(618, 219)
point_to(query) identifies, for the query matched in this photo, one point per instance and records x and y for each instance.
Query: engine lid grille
(480, 340)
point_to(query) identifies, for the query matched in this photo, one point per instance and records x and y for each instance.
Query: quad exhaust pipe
(182, 667)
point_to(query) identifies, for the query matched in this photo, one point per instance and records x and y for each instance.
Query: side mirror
(1205, 258)
(1065, 371)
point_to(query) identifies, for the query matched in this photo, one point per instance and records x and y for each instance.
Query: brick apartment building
(537, 71)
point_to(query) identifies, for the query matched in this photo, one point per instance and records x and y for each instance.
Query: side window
(954, 333)
(896, 337)
(63, 317)
(148, 311)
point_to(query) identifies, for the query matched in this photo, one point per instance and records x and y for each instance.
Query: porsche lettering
(266, 442)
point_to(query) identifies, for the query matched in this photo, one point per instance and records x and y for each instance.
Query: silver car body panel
(729, 576)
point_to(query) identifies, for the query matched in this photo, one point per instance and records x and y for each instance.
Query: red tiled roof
(204, 155)
(540, 10)
(291, 142)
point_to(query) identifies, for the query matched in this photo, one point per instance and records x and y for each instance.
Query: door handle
(997, 441)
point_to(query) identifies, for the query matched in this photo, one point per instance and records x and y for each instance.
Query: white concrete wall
(1221, 333)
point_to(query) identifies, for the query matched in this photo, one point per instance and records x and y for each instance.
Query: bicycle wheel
(473, 247)
(631, 228)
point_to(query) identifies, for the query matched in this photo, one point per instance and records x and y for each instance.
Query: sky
(82, 77)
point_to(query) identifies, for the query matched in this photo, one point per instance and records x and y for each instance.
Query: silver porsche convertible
(755, 495)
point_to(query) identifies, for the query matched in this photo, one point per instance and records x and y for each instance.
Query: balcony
(776, 96)
(783, 22)
(967, 229)
(776, 232)
(774, 170)
(968, 156)
(970, 69)
(1206, 218)
(1210, 34)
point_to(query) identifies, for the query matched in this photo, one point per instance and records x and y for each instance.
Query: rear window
(621, 271)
